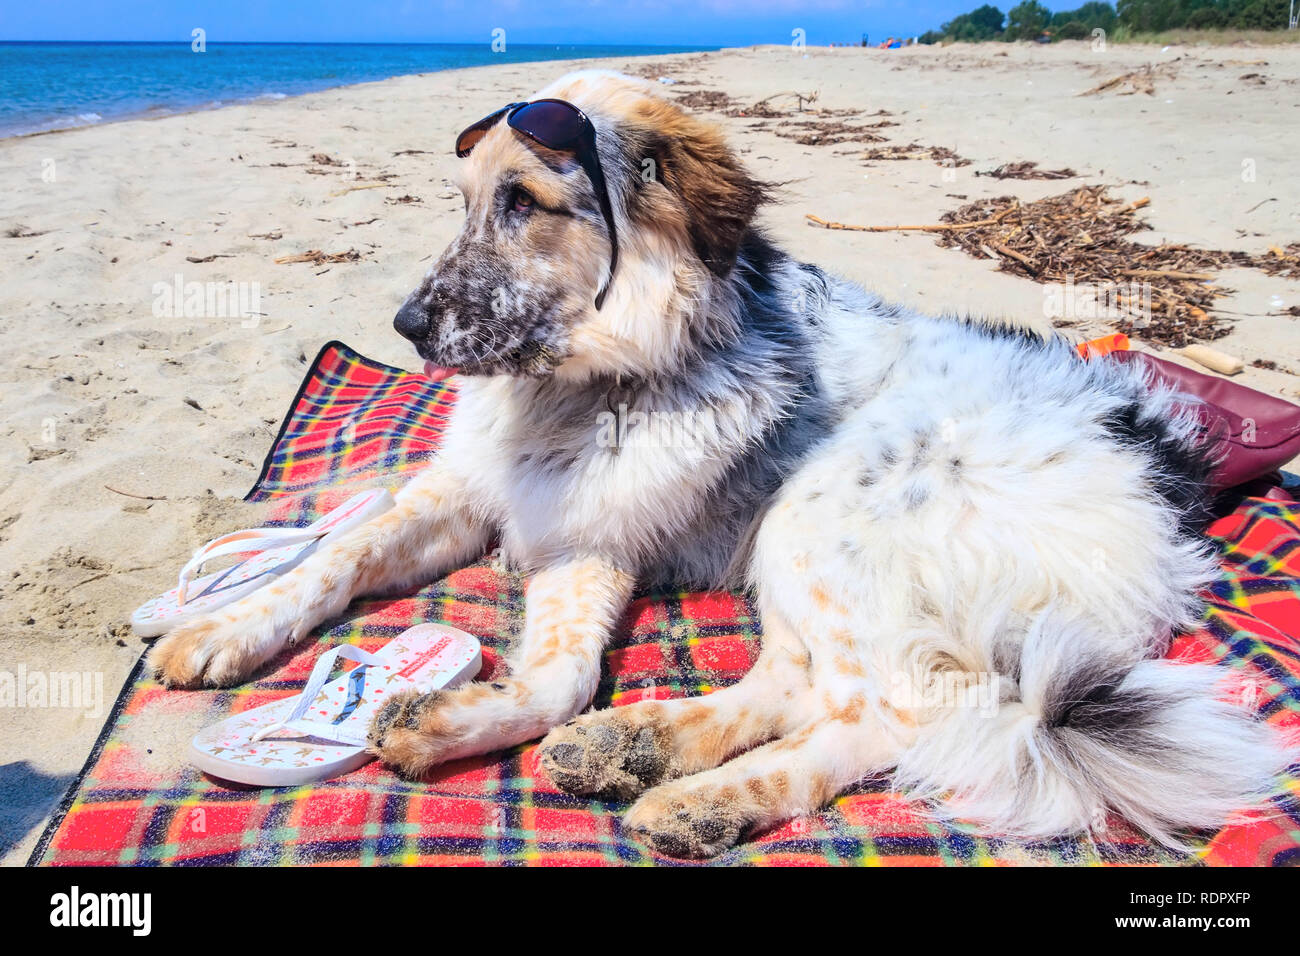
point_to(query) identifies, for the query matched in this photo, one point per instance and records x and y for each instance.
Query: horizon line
(186, 42)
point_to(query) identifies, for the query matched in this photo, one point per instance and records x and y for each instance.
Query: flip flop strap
(320, 675)
(266, 538)
(251, 539)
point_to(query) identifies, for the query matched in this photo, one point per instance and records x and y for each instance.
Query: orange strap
(1095, 348)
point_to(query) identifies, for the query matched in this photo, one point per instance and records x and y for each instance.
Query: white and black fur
(910, 498)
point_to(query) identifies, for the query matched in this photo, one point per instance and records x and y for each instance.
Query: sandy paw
(618, 753)
(685, 823)
(409, 733)
(202, 653)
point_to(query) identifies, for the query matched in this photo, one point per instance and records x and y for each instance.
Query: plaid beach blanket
(354, 421)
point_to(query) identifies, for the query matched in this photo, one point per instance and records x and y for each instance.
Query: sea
(46, 86)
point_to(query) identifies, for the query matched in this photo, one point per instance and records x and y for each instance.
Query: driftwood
(1213, 359)
(1165, 294)
(935, 227)
(316, 257)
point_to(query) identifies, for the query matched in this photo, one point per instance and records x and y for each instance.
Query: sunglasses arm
(591, 163)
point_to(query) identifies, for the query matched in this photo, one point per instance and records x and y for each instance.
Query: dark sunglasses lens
(554, 125)
(467, 140)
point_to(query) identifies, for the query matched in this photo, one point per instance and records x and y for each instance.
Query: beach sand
(177, 413)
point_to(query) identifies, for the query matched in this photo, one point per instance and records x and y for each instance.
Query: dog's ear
(693, 163)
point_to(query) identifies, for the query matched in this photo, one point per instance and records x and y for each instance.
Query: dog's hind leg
(704, 814)
(572, 609)
(428, 532)
(621, 751)
(836, 729)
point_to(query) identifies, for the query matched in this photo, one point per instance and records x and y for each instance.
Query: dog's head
(515, 292)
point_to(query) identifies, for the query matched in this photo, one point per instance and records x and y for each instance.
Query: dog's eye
(521, 201)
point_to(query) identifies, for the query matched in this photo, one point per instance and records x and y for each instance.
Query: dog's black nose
(412, 321)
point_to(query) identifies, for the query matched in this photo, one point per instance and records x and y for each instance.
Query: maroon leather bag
(1257, 433)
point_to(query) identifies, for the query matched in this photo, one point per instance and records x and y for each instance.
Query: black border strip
(70, 795)
(302, 388)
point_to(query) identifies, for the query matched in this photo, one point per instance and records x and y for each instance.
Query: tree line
(1030, 20)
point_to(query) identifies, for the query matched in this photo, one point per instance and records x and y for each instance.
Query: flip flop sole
(425, 658)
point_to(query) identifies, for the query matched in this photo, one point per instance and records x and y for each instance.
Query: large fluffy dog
(969, 548)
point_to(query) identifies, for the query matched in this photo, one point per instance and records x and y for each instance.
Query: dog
(968, 547)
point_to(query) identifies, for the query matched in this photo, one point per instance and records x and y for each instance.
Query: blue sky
(694, 22)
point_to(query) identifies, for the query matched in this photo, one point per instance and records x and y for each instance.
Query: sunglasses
(563, 127)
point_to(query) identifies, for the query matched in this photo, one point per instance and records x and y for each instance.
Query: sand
(100, 391)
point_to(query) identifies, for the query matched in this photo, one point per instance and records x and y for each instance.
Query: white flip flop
(279, 550)
(321, 733)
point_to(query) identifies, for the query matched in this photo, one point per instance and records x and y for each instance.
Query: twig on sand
(1024, 260)
(316, 257)
(128, 494)
(936, 227)
(353, 189)
(1141, 80)
(1166, 274)
(1103, 87)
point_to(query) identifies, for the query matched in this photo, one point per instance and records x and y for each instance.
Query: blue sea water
(47, 86)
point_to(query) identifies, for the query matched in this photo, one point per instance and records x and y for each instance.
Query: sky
(675, 22)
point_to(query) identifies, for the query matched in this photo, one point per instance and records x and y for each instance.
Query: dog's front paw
(207, 652)
(685, 820)
(617, 752)
(412, 731)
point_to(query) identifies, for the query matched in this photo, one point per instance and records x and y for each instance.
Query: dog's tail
(1169, 746)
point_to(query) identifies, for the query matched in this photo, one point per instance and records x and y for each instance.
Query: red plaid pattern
(354, 419)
